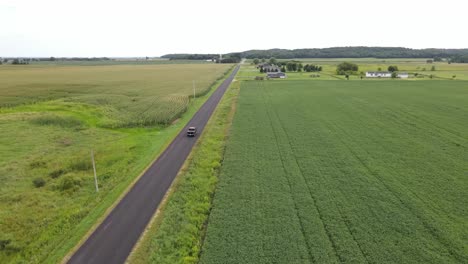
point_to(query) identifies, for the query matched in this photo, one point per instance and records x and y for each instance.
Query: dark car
(191, 131)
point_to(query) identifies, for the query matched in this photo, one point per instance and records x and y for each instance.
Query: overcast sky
(152, 28)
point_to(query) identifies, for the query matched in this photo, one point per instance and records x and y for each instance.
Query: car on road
(191, 131)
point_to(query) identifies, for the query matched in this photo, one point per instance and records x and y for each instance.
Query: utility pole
(193, 84)
(94, 169)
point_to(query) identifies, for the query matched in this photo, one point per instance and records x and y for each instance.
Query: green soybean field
(344, 172)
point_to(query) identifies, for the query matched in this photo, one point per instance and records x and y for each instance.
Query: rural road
(114, 239)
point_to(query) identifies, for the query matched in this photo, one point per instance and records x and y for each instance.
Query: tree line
(229, 58)
(456, 55)
(355, 52)
(459, 59)
(286, 66)
(191, 56)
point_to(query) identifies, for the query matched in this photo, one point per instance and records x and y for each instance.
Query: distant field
(443, 70)
(128, 95)
(122, 61)
(51, 118)
(344, 172)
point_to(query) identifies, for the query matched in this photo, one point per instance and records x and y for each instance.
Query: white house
(379, 74)
(403, 75)
(386, 74)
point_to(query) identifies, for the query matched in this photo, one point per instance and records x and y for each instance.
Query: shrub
(39, 182)
(81, 165)
(37, 164)
(56, 173)
(69, 183)
(4, 243)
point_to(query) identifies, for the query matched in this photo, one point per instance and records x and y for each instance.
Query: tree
(263, 60)
(345, 68)
(52, 59)
(272, 61)
(15, 62)
(256, 61)
(429, 61)
(433, 68)
(283, 69)
(299, 67)
(294, 66)
(392, 68)
(379, 69)
(261, 70)
(394, 75)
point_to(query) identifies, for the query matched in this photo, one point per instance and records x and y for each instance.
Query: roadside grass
(343, 172)
(47, 197)
(177, 230)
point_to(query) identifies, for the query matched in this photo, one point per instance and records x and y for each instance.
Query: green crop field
(127, 95)
(52, 116)
(344, 172)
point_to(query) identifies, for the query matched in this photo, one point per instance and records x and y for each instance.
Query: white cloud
(150, 28)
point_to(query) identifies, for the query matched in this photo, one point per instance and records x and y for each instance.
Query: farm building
(281, 75)
(386, 74)
(379, 74)
(403, 75)
(269, 68)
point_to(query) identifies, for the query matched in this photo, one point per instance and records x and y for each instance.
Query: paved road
(114, 239)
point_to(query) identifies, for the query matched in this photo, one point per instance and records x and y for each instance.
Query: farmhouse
(386, 74)
(403, 75)
(281, 75)
(269, 67)
(379, 74)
